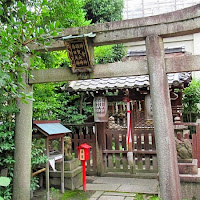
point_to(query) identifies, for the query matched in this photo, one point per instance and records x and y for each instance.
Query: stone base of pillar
(190, 185)
(188, 168)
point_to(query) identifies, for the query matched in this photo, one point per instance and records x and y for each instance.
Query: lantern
(100, 105)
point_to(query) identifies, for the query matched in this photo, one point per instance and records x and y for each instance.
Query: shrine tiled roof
(174, 79)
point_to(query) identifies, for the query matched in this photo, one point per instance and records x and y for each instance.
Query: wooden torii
(152, 30)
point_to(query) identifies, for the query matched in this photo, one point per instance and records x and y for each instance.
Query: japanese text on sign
(78, 53)
(100, 109)
(100, 106)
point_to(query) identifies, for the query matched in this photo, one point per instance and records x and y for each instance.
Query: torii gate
(152, 30)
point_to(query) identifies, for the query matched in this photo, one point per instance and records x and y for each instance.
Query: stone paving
(114, 188)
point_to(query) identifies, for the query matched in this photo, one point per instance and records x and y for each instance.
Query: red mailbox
(84, 152)
(84, 155)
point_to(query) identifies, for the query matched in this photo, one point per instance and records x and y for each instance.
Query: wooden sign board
(79, 55)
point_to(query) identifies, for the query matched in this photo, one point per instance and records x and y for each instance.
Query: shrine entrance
(114, 131)
(152, 30)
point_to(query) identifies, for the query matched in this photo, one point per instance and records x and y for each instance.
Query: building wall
(144, 8)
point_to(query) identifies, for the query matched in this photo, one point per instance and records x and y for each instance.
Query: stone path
(113, 188)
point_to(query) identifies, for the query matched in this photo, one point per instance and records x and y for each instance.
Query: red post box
(84, 155)
(84, 152)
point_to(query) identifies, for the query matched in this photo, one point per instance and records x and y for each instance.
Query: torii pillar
(23, 142)
(163, 122)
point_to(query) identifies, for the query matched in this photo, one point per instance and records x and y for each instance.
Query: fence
(144, 152)
(84, 133)
(114, 146)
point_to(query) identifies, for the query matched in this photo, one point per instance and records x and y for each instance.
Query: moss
(77, 195)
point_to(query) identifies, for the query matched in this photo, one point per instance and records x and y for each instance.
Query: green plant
(104, 10)
(191, 99)
(20, 24)
(4, 181)
(109, 53)
(34, 183)
(55, 193)
(76, 195)
(146, 196)
(38, 156)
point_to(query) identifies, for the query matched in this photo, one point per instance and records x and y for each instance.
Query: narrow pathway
(113, 188)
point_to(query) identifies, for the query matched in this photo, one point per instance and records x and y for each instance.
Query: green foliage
(8, 110)
(49, 105)
(38, 155)
(4, 181)
(34, 183)
(104, 10)
(191, 99)
(69, 13)
(109, 53)
(46, 104)
(74, 108)
(146, 196)
(70, 109)
(76, 195)
(20, 25)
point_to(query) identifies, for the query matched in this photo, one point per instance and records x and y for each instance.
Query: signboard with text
(79, 55)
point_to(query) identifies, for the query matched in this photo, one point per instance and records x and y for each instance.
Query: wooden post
(84, 175)
(100, 130)
(23, 141)
(198, 141)
(163, 124)
(47, 169)
(62, 166)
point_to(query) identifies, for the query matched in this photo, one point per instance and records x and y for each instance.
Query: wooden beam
(151, 152)
(128, 68)
(181, 22)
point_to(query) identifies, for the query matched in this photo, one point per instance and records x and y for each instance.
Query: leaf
(4, 181)
(44, 2)
(56, 24)
(19, 4)
(41, 31)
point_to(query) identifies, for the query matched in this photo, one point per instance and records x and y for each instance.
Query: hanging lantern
(100, 105)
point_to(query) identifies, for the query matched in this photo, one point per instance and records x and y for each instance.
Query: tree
(191, 99)
(20, 24)
(70, 13)
(100, 11)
